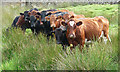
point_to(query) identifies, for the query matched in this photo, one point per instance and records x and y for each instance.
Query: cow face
(34, 17)
(33, 21)
(43, 15)
(54, 20)
(59, 35)
(71, 28)
(26, 16)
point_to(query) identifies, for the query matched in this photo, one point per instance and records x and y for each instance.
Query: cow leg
(80, 47)
(48, 37)
(109, 38)
(82, 44)
(64, 48)
(106, 36)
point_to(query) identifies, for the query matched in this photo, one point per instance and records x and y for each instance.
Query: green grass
(30, 52)
(108, 11)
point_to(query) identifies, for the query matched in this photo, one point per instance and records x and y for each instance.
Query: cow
(36, 25)
(81, 31)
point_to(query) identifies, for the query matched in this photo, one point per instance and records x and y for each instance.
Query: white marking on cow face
(72, 23)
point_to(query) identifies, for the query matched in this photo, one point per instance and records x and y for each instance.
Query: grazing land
(29, 52)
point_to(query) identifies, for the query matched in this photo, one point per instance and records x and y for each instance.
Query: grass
(30, 52)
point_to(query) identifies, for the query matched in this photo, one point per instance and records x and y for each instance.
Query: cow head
(53, 20)
(59, 35)
(72, 25)
(34, 20)
(44, 14)
(26, 16)
(66, 17)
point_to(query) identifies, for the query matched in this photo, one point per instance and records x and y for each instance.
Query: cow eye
(74, 26)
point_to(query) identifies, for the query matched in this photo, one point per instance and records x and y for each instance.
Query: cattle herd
(68, 28)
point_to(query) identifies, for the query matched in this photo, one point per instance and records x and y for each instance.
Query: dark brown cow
(79, 31)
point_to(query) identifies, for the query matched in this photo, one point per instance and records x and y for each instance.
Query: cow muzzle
(53, 25)
(72, 36)
(32, 25)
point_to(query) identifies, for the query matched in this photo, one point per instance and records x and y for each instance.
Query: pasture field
(29, 52)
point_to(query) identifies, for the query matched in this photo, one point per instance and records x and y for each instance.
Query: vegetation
(29, 52)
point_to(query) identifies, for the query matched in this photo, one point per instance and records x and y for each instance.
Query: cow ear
(79, 23)
(59, 17)
(47, 18)
(21, 13)
(38, 13)
(72, 16)
(48, 14)
(37, 17)
(29, 13)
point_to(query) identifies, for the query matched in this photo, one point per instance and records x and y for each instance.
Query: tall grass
(30, 52)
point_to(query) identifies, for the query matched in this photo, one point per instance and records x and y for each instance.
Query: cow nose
(72, 36)
(41, 23)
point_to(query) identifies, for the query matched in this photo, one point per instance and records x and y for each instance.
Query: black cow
(36, 27)
(60, 36)
(46, 24)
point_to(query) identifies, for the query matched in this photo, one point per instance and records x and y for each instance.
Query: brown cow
(79, 31)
